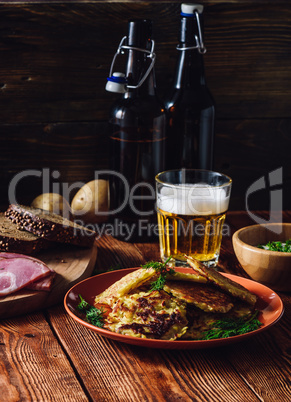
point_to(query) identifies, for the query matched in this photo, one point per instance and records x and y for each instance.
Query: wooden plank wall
(54, 60)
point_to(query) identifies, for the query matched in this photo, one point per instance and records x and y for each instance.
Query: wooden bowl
(271, 268)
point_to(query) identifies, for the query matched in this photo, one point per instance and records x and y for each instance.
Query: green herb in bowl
(277, 246)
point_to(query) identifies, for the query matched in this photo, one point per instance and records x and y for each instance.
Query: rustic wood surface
(47, 356)
(71, 265)
(55, 58)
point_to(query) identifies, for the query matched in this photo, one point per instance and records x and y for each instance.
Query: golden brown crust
(125, 285)
(201, 295)
(221, 281)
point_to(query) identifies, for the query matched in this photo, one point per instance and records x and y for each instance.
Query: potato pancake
(153, 314)
(226, 284)
(199, 322)
(203, 296)
(182, 306)
(125, 285)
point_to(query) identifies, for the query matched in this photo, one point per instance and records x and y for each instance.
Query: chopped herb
(231, 327)
(93, 315)
(83, 305)
(162, 268)
(277, 246)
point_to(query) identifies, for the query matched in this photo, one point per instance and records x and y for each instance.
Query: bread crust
(14, 240)
(50, 226)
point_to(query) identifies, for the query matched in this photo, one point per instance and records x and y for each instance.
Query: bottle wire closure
(120, 78)
(198, 39)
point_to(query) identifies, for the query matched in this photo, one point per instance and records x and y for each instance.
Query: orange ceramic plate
(269, 303)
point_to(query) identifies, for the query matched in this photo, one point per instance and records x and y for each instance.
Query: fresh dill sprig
(277, 246)
(93, 315)
(231, 327)
(83, 305)
(162, 269)
(159, 283)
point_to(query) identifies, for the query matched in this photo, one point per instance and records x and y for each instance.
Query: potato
(52, 202)
(91, 203)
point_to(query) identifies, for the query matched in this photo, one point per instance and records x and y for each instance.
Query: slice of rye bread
(50, 226)
(13, 240)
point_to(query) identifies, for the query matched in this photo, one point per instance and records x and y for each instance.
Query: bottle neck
(137, 65)
(190, 70)
(138, 62)
(190, 66)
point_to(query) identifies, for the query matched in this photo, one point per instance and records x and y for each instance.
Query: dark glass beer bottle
(138, 125)
(190, 106)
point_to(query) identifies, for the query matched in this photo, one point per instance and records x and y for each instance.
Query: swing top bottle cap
(116, 83)
(189, 9)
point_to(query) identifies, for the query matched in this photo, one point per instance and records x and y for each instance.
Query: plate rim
(170, 344)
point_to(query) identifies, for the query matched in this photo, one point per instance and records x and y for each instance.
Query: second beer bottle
(189, 104)
(138, 125)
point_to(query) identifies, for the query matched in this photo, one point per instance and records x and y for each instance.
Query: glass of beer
(191, 207)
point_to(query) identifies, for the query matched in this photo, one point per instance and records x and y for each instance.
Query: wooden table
(47, 356)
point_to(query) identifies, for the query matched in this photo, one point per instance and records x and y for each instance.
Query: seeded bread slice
(50, 226)
(13, 240)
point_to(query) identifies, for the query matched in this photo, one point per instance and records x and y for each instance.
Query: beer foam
(197, 199)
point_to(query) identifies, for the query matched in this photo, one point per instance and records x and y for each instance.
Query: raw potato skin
(91, 203)
(52, 202)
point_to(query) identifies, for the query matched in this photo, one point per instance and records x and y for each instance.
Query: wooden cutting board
(72, 264)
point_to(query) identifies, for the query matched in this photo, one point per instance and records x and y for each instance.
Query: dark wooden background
(54, 60)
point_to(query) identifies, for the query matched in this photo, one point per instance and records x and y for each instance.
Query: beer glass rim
(158, 180)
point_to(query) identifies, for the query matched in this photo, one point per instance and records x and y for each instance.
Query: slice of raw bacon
(18, 271)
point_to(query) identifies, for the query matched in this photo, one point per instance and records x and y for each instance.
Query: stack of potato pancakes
(185, 308)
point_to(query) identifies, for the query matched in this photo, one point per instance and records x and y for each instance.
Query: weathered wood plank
(123, 255)
(56, 57)
(36, 365)
(33, 365)
(114, 371)
(246, 150)
(70, 151)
